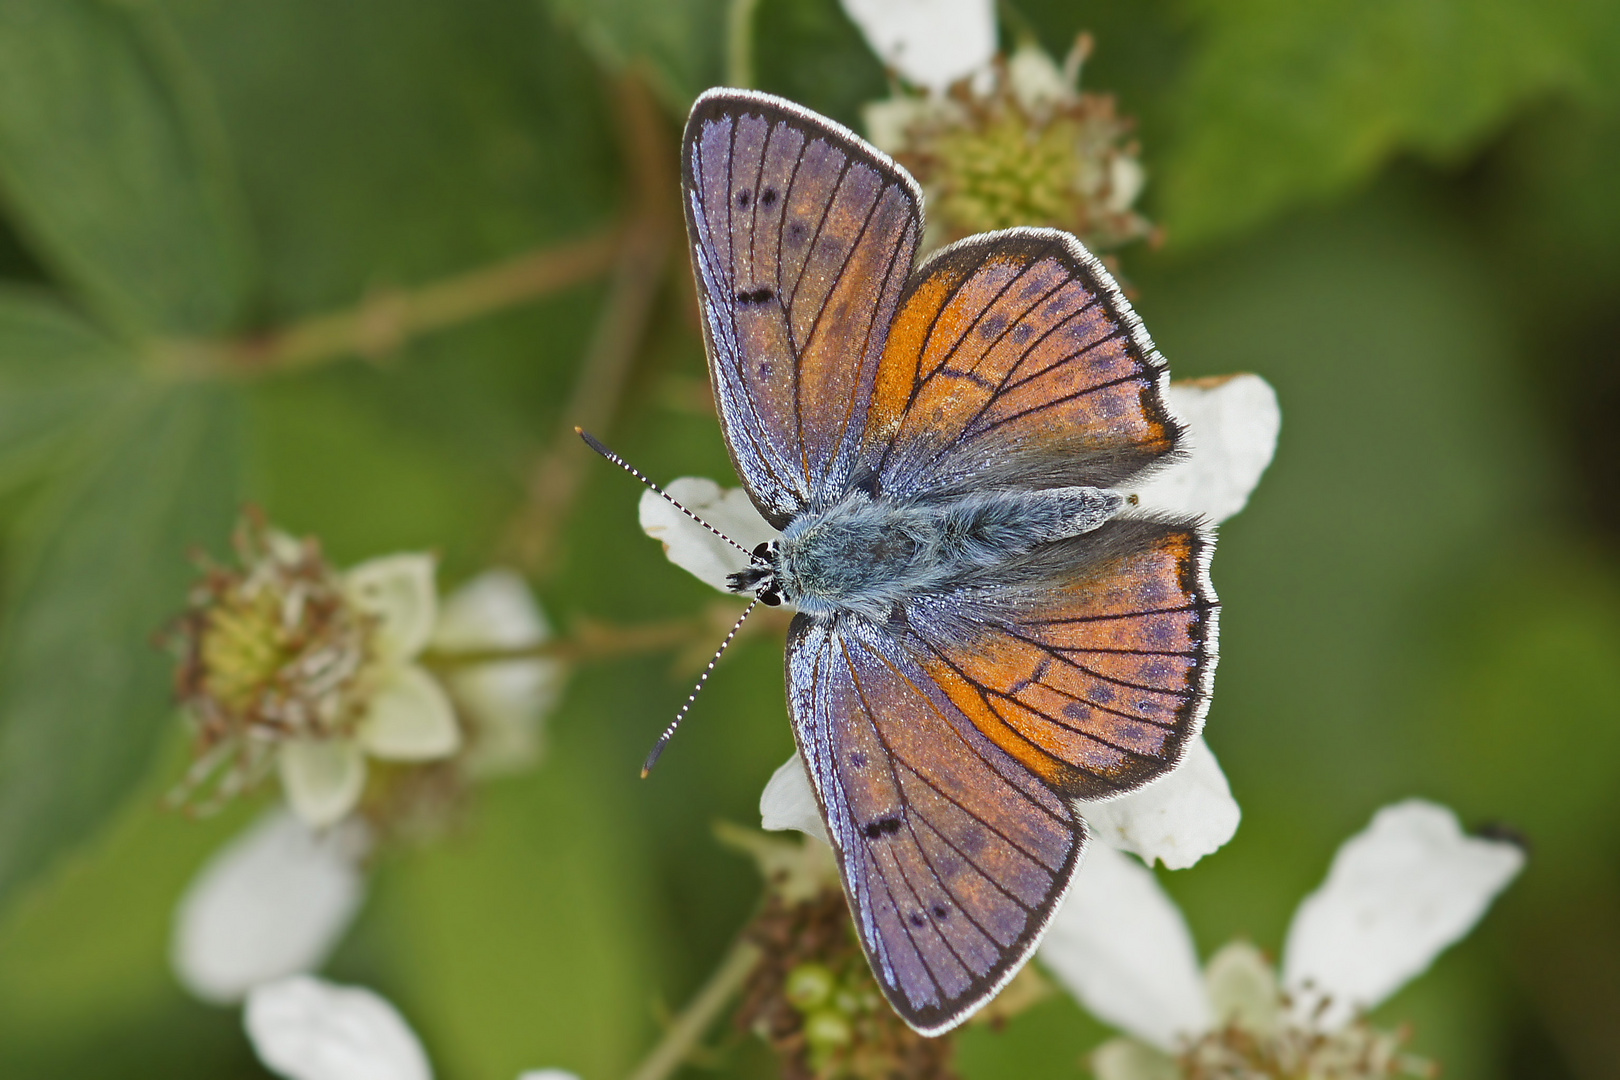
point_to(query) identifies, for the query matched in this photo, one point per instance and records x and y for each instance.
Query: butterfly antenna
(663, 740)
(590, 441)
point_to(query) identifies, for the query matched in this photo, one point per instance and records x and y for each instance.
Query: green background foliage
(1402, 214)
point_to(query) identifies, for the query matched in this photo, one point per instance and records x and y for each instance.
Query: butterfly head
(760, 575)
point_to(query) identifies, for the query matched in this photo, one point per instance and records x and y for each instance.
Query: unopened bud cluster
(1018, 145)
(814, 1001)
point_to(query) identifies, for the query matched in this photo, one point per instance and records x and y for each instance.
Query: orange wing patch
(1098, 688)
(1009, 343)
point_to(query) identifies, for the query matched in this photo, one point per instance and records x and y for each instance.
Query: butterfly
(985, 630)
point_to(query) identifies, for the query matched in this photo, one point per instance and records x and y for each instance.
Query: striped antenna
(663, 740)
(590, 441)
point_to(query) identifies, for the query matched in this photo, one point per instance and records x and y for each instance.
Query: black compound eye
(770, 598)
(762, 550)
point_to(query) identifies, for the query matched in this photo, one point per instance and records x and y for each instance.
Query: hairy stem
(684, 1034)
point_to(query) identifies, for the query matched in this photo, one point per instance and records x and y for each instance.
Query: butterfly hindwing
(953, 854)
(1015, 359)
(1095, 670)
(802, 238)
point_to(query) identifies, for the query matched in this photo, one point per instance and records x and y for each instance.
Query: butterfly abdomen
(864, 556)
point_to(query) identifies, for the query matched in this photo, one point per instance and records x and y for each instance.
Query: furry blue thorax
(863, 556)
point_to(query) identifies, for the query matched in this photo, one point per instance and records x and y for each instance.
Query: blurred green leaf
(385, 144)
(1523, 723)
(680, 43)
(810, 51)
(111, 165)
(1283, 102)
(55, 371)
(100, 565)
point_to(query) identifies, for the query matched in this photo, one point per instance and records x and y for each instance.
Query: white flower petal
(305, 1028)
(1243, 989)
(503, 700)
(321, 778)
(889, 121)
(274, 901)
(1123, 949)
(1232, 425)
(692, 547)
(931, 43)
(495, 610)
(1126, 178)
(1127, 1059)
(408, 717)
(398, 591)
(789, 802)
(1177, 819)
(1398, 894)
(1035, 80)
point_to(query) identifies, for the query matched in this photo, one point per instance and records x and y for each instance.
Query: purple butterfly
(986, 630)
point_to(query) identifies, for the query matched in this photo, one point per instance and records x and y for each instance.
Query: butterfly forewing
(1015, 359)
(1096, 673)
(953, 854)
(802, 237)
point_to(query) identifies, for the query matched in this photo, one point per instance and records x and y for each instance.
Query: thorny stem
(683, 1035)
(638, 271)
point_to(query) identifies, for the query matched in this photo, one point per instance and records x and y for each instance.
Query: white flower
(305, 1028)
(1398, 894)
(1124, 950)
(1176, 820)
(405, 715)
(1232, 425)
(273, 902)
(931, 43)
(309, 1029)
(502, 701)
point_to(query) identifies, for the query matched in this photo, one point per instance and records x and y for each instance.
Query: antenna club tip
(578, 430)
(644, 772)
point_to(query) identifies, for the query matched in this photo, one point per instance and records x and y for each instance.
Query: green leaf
(84, 692)
(1286, 102)
(112, 168)
(54, 372)
(680, 43)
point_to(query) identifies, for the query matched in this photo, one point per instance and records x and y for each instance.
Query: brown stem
(592, 640)
(388, 318)
(639, 269)
(589, 641)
